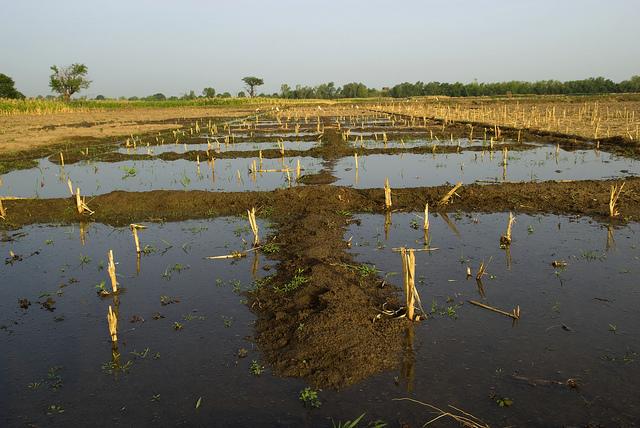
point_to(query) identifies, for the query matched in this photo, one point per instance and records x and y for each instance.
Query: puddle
(538, 164)
(217, 147)
(370, 142)
(94, 178)
(160, 367)
(577, 322)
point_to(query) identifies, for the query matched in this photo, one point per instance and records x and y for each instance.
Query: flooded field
(95, 178)
(304, 319)
(218, 147)
(185, 324)
(577, 320)
(539, 164)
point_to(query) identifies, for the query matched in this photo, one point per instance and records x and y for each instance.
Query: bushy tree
(208, 92)
(285, 91)
(7, 88)
(354, 90)
(156, 97)
(68, 80)
(251, 82)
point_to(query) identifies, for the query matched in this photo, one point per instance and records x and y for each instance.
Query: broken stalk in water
(111, 269)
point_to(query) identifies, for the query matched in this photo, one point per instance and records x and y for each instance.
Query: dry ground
(31, 131)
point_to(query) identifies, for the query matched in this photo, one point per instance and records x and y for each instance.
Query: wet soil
(315, 313)
(580, 197)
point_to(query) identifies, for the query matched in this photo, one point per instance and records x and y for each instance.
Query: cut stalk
(3, 213)
(425, 225)
(445, 199)
(81, 204)
(387, 194)
(254, 226)
(409, 270)
(481, 271)
(505, 240)
(613, 199)
(515, 313)
(111, 269)
(61, 159)
(134, 229)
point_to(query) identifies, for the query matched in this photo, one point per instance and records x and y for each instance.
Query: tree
(100, 97)
(241, 94)
(285, 91)
(354, 90)
(7, 89)
(251, 83)
(208, 92)
(190, 96)
(68, 80)
(156, 97)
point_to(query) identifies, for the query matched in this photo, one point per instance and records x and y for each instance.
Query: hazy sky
(140, 47)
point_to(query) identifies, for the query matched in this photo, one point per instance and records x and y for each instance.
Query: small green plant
(185, 181)
(451, 312)
(228, 321)
(148, 249)
(530, 230)
(101, 289)
(613, 328)
(166, 300)
(168, 272)
(111, 367)
(255, 368)
(128, 171)
(84, 260)
(348, 424)
(504, 401)
(365, 270)
(55, 409)
(177, 326)
(270, 248)
(344, 213)
(295, 282)
(54, 380)
(309, 398)
(142, 354)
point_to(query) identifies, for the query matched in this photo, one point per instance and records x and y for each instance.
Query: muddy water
(370, 142)
(461, 356)
(577, 322)
(217, 147)
(199, 360)
(539, 164)
(50, 181)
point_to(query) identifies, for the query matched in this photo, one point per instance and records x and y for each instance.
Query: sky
(141, 47)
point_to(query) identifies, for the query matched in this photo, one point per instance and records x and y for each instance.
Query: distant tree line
(329, 90)
(593, 85)
(69, 80)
